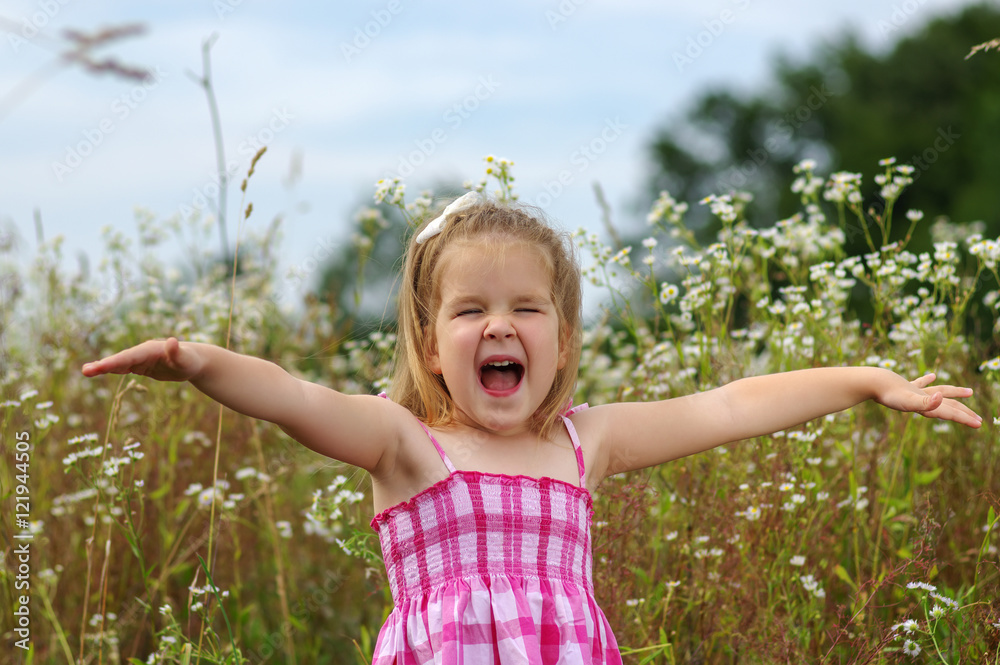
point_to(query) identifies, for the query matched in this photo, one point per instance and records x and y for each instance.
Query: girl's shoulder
(410, 463)
(592, 421)
(594, 426)
(394, 422)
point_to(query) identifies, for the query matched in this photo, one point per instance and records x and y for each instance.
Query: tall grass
(846, 540)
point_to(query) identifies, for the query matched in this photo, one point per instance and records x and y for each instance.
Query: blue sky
(366, 90)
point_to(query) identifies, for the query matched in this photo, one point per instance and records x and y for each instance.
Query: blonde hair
(498, 225)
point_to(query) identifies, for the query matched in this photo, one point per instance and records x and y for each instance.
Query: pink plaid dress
(492, 569)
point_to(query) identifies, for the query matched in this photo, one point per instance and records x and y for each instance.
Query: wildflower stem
(993, 518)
(609, 226)
(132, 536)
(909, 233)
(854, 514)
(864, 227)
(887, 222)
(275, 539)
(218, 432)
(104, 593)
(50, 614)
(167, 565)
(225, 615)
(650, 283)
(932, 631)
(112, 421)
(220, 155)
(902, 442)
(958, 317)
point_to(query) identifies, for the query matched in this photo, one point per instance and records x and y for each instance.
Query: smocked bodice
(478, 524)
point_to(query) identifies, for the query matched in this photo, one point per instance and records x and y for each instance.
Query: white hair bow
(436, 225)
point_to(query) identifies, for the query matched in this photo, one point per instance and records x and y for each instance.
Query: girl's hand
(932, 402)
(163, 360)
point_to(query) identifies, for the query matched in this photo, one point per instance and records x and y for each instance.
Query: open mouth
(501, 376)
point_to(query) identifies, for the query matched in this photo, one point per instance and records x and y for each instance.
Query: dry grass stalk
(985, 46)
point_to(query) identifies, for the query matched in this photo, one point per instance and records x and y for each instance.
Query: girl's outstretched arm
(638, 435)
(356, 429)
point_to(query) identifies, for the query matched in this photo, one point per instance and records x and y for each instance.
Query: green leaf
(159, 492)
(927, 477)
(842, 573)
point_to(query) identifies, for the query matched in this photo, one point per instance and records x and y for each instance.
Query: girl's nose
(499, 328)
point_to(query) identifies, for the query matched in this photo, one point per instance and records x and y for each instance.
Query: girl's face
(497, 338)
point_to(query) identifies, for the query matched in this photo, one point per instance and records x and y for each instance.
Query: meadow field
(143, 524)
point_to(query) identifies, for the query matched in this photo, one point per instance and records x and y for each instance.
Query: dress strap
(575, 438)
(444, 457)
(437, 446)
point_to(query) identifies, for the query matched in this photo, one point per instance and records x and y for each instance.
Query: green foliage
(847, 107)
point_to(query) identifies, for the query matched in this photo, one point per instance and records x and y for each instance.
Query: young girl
(481, 474)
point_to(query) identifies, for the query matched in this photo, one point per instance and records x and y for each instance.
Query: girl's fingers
(971, 418)
(954, 391)
(968, 419)
(957, 412)
(122, 362)
(173, 350)
(162, 360)
(97, 367)
(947, 390)
(931, 402)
